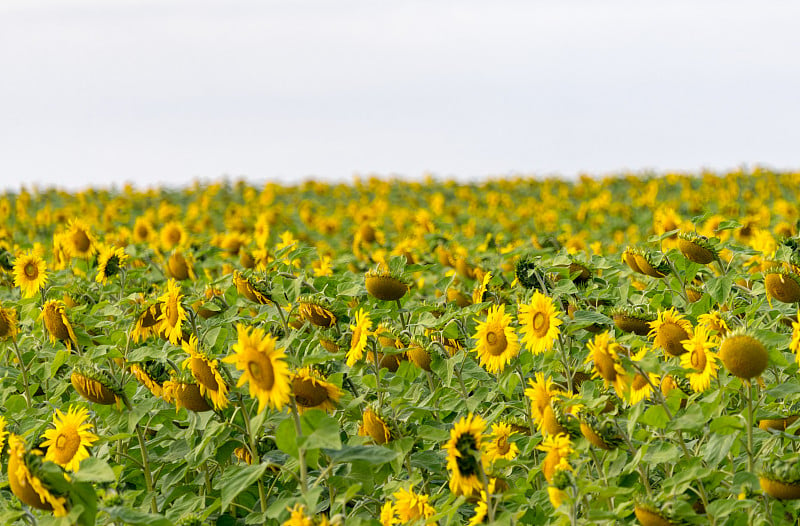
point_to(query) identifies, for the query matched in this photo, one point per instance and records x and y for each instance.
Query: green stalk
(24, 369)
(301, 451)
(253, 452)
(148, 476)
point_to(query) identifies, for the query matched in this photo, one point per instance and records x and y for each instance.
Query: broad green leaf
(370, 454)
(94, 470)
(236, 479)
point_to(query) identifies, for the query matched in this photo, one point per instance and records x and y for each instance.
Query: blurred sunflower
(173, 235)
(794, 345)
(700, 359)
(263, 367)
(637, 387)
(541, 393)
(482, 507)
(411, 506)
(715, 325)
(558, 449)
(539, 323)
(30, 274)
(206, 371)
(464, 455)
(498, 445)
(8, 323)
(79, 240)
(373, 426)
(185, 393)
(669, 330)
(497, 341)
(172, 313)
(298, 517)
(312, 391)
(66, 444)
(57, 323)
(479, 294)
(358, 341)
(255, 292)
(110, 261)
(143, 230)
(146, 323)
(180, 267)
(25, 482)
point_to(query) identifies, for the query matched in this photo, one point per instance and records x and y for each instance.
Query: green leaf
(94, 470)
(719, 287)
(134, 516)
(321, 430)
(58, 360)
(655, 416)
(728, 224)
(691, 419)
(727, 424)
(371, 454)
(236, 479)
(663, 452)
(286, 438)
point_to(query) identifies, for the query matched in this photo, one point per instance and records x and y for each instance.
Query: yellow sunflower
(180, 267)
(498, 444)
(700, 360)
(411, 506)
(539, 323)
(669, 330)
(541, 393)
(146, 323)
(264, 367)
(206, 371)
(109, 263)
(30, 274)
(96, 385)
(66, 444)
(8, 323)
(173, 235)
(358, 341)
(172, 313)
(636, 388)
(143, 230)
(79, 240)
(57, 324)
(604, 356)
(373, 426)
(558, 449)
(186, 394)
(249, 289)
(716, 327)
(316, 311)
(26, 485)
(388, 515)
(480, 291)
(3, 432)
(464, 458)
(794, 345)
(482, 507)
(151, 374)
(497, 340)
(298, 517)
(312, 391)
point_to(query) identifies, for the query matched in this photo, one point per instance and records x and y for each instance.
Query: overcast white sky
(98, 92)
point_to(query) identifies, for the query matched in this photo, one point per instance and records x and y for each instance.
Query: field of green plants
(521, 351)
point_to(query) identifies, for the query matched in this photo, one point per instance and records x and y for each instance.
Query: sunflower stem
(301, 451)
(749, 396)
(24, 372)
(284, 322)
(525, 403)
(256, 458)
(148, 476)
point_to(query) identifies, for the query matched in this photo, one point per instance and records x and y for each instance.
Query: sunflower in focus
(604, 356)
(57, 323)
(206, 371)
(700, 359)
(8, 324)
(539, 323)
(30, 274)
(669, 330)
(263, 367)
(79, 240)
(66, 444)
(464, 456)
(498, 445)
(110, 261)
(497, 340)
(312, 391)
(172, 313)
(358, 341)
(541, 393)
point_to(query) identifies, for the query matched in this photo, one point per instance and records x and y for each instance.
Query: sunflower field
(518, 351)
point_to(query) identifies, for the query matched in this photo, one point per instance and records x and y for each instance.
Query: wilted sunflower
(8, 323)
(96, 385)
(110, 262)
(255, 292)
(497, 341)
(411, 506)
(498, 445)
(152, 374)
(263, 367)
(358, 341)
(385, 285)
(373, 426)
(317, 311)
(464, 455)
(30, 274)
(57, 324)
(669, 330)
(630, 319)
(66, 444)
(312, 391)
(185, 393)
(25, 482)
(206, 371)
(700, 360)
(539, 323)
(743, 355)
(172, 313)
(79, 239)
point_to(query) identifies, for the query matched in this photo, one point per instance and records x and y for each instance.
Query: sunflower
(57, 323)
(146, 323)
(633, 320)
(637, 387)
(794, 345)
(142, 230)
(541, 393)
(3, 432)
(30, 274)
(298, 517)
(743, 355)
(24, 482)
(255, 292)
(464, 458)
(264, 367)
(152, 374)
(385, 285)
(604, 356)
(497, 340)
(558, 449)
(8, 323)
(66, 444)
(697, 248)
(172, 313)
(312, 391)
(700, 360)
(539, 323)
(388, 515)
(498, 445)
(96, 385)
(206, 371)
(783, 285)
(715, 325)
(479, 294)
(317, 311)
(482, 507)
(669, 330)
(173, 235)
(373, 425)
(180, 267)
(358, 341)
(79, 240)
(186, 394)
(411, 506)
(109, 263)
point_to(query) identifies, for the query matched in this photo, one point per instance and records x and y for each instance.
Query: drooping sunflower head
(173, 314)
(256, 291)
(697, 248)
(152, 374)
(669, 330)
(419, 352)
(311, 390)
(743, 355)
(26, 482)
(497, 341)
(374, 426)
(540, 323)
(80, 241)
(8, 323)
(358, 340)
(96, 385)
(206, 371)
(632, 319)
(57, 324)
(780, 477)
(185, 393)
(385, 284)
(604, 435)
(66, 444)
(147, 323)
(180, 266)
(317, 311)
(782, 284)
(464, 455)
(30, 273)
(629, 258)
(263, 367)
(558, 449)
(648, 513)
(109, 263)
(528, 274)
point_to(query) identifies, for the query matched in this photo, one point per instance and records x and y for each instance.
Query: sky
(169, 91)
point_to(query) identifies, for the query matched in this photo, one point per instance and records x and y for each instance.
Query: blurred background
(169, 91)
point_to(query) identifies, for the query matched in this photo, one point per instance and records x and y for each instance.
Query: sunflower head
(185, 393)
(205, 371)
(653, 264)
(96, 385)
(743, 355)
(30, 273)
(528, 274)
(374, 426)
(632, 319)
(110, 262)
(693, 293)
(152, 374)
(697, 248)
(464, 458)
(497, 341)
(604, 435)
(256, 291)
(79, 238)
(780, 477)
(311, 390)
(782, 284)
(317, 310)
(8, 323)
(385, 284)
(66, 444)
(629, 258)
(26, 481)
(179, 266)
(540, 323)
(669, 330)
(650, 514)
(419, 353)
(57, 324)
